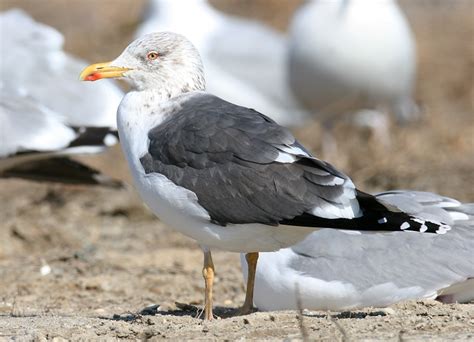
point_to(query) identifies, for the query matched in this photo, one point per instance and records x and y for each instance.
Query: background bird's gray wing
(29, 127)
(26, 125)
(243, 167)
(404, 259)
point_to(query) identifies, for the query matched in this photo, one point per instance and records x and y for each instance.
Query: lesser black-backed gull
(224, 175)
(331, 270)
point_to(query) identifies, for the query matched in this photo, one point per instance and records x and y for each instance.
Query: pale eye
(152, 55)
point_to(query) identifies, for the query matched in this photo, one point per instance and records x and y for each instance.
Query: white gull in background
(337, 271)
(225, 175)
(346, 56)
(37, 143)
(245, 61)
(45, 113)
(34, 63)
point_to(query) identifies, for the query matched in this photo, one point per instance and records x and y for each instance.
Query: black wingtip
(376, 216)
(61, 170)
(94, 136)
(391, 218)
(422, 226)
(405, 221)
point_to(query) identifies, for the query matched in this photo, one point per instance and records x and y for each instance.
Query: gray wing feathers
(226, 155)
(405, 260)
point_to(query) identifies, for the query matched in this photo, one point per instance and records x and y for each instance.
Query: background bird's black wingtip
(62, 170)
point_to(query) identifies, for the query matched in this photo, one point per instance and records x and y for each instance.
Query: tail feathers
(463, 214)
(465, 208)
(60, 170)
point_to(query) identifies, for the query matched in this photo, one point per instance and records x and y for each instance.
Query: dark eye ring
(152, 55)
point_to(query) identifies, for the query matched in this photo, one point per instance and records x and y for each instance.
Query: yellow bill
(98, 71)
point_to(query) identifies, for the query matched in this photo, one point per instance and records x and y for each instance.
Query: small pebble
(45, 270)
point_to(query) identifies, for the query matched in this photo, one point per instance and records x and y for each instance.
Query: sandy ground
(84, 263)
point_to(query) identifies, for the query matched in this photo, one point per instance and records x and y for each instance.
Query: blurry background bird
(348, 56)
(36, 143)
(337, 271)
(46, 115)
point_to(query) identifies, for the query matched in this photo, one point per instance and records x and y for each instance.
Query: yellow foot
(208, 274)
(202, 314)
(208, 315)
(248, 308)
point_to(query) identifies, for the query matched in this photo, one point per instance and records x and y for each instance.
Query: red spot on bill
(94, 77)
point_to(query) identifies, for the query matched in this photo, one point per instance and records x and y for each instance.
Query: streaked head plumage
(164, 61)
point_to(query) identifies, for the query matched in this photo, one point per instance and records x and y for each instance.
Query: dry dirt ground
(83, 263)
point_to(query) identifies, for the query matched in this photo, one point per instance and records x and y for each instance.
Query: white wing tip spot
(443, 229)
(404, 225)
(423, 228)
(382, 220)
(110, 140)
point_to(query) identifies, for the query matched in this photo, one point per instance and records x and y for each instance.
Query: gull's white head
(164, 61)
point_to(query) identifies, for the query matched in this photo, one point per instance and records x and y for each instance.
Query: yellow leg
(208, 274)
(247, 308)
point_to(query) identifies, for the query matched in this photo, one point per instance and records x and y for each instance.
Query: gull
(45, 114)
(353, 55)
(227, 176)
(242, 56)
(47, 73)
(331, 270)
(36, 143)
